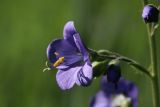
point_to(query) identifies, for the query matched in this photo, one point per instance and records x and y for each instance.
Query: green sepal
(99, 68)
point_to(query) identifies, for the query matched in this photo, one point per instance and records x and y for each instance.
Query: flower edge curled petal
(67, 78)
(69, 30)
(81, 47)
(85, 75)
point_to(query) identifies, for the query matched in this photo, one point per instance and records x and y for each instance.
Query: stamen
(47, 67)
(59, 61)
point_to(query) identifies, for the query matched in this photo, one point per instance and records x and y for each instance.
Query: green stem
(154, 70)
(105, 54)
(155, 92)
(153, 57)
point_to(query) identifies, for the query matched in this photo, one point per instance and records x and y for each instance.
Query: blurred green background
(26, 28)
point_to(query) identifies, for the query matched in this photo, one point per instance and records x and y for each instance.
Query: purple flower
(124, 95)
(113, 72)
(150, 14)
(71, 58)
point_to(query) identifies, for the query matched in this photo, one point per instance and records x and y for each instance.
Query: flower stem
(154, 70)
(153, 56)
(106, 54)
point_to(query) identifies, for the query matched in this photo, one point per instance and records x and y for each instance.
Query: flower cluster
(124, 95)
(115, 91)
(72, 59)
(78, 64)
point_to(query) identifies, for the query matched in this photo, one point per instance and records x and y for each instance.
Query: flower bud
(113, 71)
(150, 14)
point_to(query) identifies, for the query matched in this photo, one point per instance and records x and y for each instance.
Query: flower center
(59, 60)
(121, 101)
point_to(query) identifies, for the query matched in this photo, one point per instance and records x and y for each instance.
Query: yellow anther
(58, 62)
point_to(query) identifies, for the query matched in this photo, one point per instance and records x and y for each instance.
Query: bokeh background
(26, 28)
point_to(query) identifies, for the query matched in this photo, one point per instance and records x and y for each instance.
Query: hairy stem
(105, 54)
(154, 70)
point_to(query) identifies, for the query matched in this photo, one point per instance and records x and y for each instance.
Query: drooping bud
(113, 71)
(150, 14)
